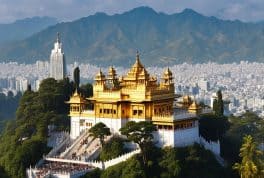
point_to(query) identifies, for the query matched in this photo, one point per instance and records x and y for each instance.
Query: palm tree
(251, 165)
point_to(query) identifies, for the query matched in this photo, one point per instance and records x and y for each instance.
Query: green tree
(132, 168)
(212, 127)
(28, 87)
(218, 104)
(251, 164)
(24, 140)
(113, 148)
(96, 173)
(169, 163)
(86, 90)
(76, 77)
(140, 133)
(247, 124)
(99, 130)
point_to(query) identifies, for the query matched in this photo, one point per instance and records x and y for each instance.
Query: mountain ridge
(161, 39)
(23, 28)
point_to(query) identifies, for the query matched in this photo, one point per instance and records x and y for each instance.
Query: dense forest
(192, 161)
(230, 131)
(8, 107)
(23, 141)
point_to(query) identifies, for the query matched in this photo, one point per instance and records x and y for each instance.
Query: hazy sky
(65, 10)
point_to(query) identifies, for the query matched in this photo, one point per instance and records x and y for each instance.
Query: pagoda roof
(100, 75)
(194, 106)
(76, 99)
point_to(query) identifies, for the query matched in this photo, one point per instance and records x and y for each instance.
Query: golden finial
(137, 56)
(76, 93)
(194, 107)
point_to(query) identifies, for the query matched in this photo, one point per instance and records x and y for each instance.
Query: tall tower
(57, 61)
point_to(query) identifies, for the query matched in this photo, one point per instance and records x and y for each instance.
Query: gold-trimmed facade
(137, 96)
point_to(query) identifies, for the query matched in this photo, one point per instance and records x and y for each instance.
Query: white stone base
(176, 138)
(162, 137)
(112, 123)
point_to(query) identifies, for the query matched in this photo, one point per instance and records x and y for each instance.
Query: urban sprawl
(241, 83)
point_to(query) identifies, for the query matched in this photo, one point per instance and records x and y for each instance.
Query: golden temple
(137, 96)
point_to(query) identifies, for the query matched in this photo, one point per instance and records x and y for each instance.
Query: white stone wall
(120, 159)
(185, 137)
(99, 164)
(75, 127)
(164, 137)
(210, 145)
(177, 138)
(66, 175)
(112, 123)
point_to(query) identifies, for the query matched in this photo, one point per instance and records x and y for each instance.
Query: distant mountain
(162, 39)
(24, 28)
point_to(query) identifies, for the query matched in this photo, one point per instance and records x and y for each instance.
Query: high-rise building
(204, 85)
(57, 61)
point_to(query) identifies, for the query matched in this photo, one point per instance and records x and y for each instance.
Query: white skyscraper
(204, 85)
(57, 61)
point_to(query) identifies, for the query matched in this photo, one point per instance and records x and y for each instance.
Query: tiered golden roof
(167, 74)
(76, 98)
(135, 95)
(194, 107)
(187, 99)
(99, 76)
(111, 73)
(135, 70)
(143, 74)
(136, 86)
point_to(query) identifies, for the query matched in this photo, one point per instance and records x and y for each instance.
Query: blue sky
(66, 10)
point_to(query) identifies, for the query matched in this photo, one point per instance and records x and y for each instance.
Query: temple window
(140, 112)
(114, 111)
(134, 112)
(100, 110)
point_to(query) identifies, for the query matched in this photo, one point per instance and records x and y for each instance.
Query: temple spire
(137, 57)
(137, 63)
(58, 37)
